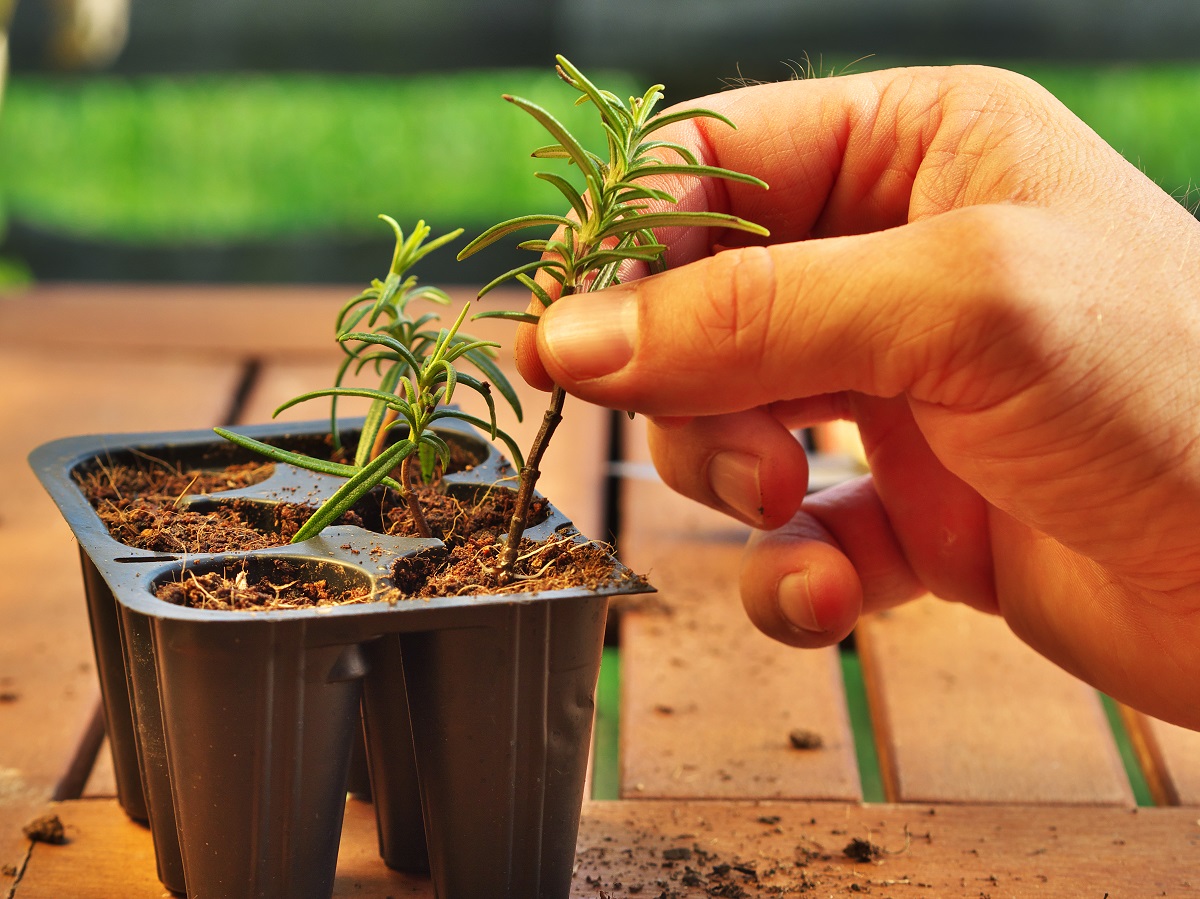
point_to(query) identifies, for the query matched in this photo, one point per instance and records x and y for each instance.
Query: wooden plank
(1170, 757)
(102, 783)
(47, 672)
(965, 712)
(208, 319)
(689, 850)
(708, 703)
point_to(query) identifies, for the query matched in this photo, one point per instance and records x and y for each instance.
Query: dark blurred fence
(686, 43)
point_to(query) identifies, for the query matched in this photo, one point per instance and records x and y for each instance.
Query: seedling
(610, 226)
(612, 223)
(418, 375)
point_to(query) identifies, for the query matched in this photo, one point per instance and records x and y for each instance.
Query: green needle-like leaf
(538, 291)
(496, 232)
(540, 265)
(287, 457)
(513, 449)
(495, 377)
(354, 489)
(686, 219)
(511, 315)
(671, 118)
(567, 189)
(366, 392)
(696, 171)
(578, 154)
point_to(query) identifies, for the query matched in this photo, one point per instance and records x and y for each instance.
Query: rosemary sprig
(610, 223)
(417, 371)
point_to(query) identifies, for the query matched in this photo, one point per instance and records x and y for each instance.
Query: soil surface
(286, 586)
(469, 562)
(473, 567)
(140, 505)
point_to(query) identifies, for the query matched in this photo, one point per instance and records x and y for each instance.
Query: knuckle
(998, 311)
(734, 320)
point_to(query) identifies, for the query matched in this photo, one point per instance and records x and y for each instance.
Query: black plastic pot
(232, 731)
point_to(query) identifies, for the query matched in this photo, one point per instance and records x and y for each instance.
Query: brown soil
(287, 587)
(453, 520)
(230, 527)
(46, 829)
(861, 850)
(139, 504)
(472, 567)
(469, 562)
(154, 478)
(801, 738)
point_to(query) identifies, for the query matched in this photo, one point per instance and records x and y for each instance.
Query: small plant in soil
(609, 230)
(417, 370)
(612, 223)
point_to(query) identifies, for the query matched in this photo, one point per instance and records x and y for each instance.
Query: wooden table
(1000, 775)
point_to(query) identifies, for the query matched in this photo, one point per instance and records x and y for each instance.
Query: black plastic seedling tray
(231, 731)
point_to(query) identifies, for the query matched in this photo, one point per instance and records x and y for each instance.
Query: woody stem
(410, 496)
(529, 476)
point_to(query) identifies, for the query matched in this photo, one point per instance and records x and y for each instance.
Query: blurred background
(220, 140)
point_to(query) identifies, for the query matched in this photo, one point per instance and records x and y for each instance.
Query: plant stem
(530, 473)
(410, 497)
(529, 476)
(381, 436)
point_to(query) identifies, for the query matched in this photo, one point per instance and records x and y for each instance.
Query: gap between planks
(708, 704)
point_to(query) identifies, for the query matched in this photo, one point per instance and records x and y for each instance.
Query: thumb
(880, 313)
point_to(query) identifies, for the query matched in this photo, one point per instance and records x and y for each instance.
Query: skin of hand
(1009, 311)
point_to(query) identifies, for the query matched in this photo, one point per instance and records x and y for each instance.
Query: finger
(940, 524)
(866, 152)
(807, 582)
(525, 353)
(749, 327)
(746, 465)
(798, 587)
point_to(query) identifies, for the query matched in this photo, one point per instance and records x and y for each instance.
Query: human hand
(1008, 310)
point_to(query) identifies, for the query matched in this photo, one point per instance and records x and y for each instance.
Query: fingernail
(733, 477)
(794, 597)
(590, 336)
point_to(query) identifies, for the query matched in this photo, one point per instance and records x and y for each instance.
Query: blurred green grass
(1147, 113)
(228, 157)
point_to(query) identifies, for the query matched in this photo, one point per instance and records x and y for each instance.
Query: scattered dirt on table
(861, 850)
(797, 858)
(800, 738)
(46, 829)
